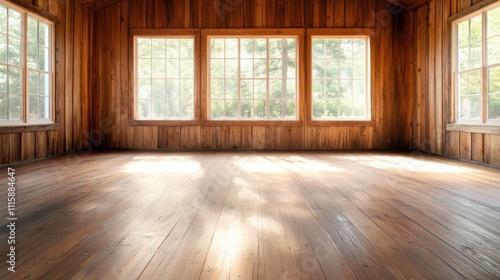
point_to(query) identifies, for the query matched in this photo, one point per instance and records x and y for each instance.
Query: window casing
(476, 67)
(164, 76)
(253, 77)
(26, 67)
(340, 79)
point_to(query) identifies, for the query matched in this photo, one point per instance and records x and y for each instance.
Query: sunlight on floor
(161, 164)
(280, 164)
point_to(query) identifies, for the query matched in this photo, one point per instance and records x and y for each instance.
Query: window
(476, 66)
(26, 54)
(253, 77)
(165, 77)
(340, 78)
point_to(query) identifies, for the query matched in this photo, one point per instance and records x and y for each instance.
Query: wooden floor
(254, 215)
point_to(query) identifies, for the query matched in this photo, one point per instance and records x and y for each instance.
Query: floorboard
(253, 215)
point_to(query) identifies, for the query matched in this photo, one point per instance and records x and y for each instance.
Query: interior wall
(111, 84)
(72, 35)
(431, 89)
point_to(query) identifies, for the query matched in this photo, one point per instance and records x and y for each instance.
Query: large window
(26, 54)
(477, 66)
(253, 78)
(340, 78)
(165, 77)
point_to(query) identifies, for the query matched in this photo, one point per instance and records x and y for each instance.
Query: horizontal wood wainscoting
(71, 103)
(430, 88)
(112, 85)
(255, 215)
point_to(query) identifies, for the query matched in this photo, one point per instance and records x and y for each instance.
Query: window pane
(14, 51)
(463, 58)
(3, 78)
(14, 23)
(173, 68)
(494, 93)
(14, 80)
(32, 56)
(319, 108)
(187, 89)
(3, 106)
(144, 89)
(173, 108)
(475, 106)
(475, 82)
(275, 109)
(187, 70)
(231, 89)
(332, 88)
(44, 84)
(231, 48)
(33, 82)
(275, 88)
(493, 22)
(3, 19)
(144, 48)
(44, 108)
(494, 50)
(157, 89)
(463, 84)
(173, 48)
(187, 108)
(33, 107)
(217, 109)
(476, 29)
(318, 48)
(32, 31)
(463, 33)
(144, 109)
(247, 89)
(494, 106)
(14, 106)
(173, 89)
(43, 34)
(318, 89)
(144, 68)
(231, 108)
(260, 108)
(3, 48)
(246, 109)
(476, 57)
(246, 68)
(159, 48)
(187, 48)
(158, 68)
(494, 80)
(159, 108)
(332, 108)
(217, 89)
(217, 48)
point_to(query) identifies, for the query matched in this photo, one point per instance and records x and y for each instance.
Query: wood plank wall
(71, 85)
(111, 85)
(431, 86)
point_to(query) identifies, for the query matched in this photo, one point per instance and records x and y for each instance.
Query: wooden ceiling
(407, 4)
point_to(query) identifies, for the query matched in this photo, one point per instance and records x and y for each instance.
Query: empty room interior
(249, 139)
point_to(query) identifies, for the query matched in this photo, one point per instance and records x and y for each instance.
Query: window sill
(346, 123)
(164, 122)
(28, 128)
(485, 128)
(274, 123)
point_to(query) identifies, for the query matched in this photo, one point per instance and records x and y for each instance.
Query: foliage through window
(253, 78)
(25, 67)
(340, 80)
(477, 66)
(164, 78)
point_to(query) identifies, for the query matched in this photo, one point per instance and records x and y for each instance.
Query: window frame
(163, 33)
(457, 124)
(346, 33)
(206, 34)
(27, 124)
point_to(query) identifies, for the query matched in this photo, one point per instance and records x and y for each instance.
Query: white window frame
(483, 117)
(25, 120)
(267, 78)
(368, 116)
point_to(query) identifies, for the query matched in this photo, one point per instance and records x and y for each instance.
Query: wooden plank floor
(254, 215)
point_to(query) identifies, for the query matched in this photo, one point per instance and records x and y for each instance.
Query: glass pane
(144, 48)
(33, 107)
(14, 23)
(359, 89)
(231, 89)
(494, 80)
(291, 88)
(3, 106)
(318, 108)
(43, 34)
(463, 58)
(476, 29)
(144, 68)
(217, 48)
(33, 56)
(173, 89)
(463, 84)
(476, 57)
(158, 68)
(144, 109)
(144, 91)
(291, 70)
(275, 109)
(332, 88)
(359, 68)
(346, 48)
(216, 89)
(159, 48)
(493, 22)
(290, 47)
(332, 109)
(494, 106)
(359, 48)
(345, 109)
(346, 68)
(173, 48)
(172, 108)
(33, 82)
(246, 89)
(187, 109)
(464, 108)
(289, 109)
(187, 89)
(332, 68)
(463, 33)
(3, 19)
(260, 89)
(32, 31)
(475, 82)
(246, 66)
(173, 68)
(246, 50)
(187, 70)
(157, 89)
(359, 109)
(246, 109)
(346, 89)
(187, 48)
(275, 88)
(159, 108)
(259, 68)
(275, 68)
(494, 50)
(318, 89)
(44, 108)
(14, 80)
(44, 84)
(231, 68)
(259, 108)
(14, 51)
(3, 78)
(231, 48)
(3, 48)
(276, 48)
(318, 48)
(14, 106)
(318, 69)
(217, 68)
(475, 106)
(260, 48)
(217, 109)
(231, 108)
